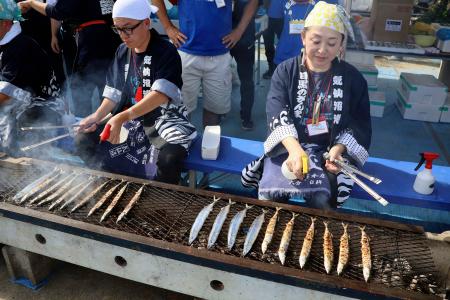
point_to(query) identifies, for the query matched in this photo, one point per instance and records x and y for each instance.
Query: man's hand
(116, 125)
(231, 39)
(176, 36)
(335, 153)
(24, 6)
(294, 163)
(88, 124)
(55, 44)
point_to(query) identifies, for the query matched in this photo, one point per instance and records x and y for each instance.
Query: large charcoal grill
(161, 220)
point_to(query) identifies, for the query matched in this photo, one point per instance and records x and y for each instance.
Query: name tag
(296, 26)
(319, 128)
(220, 3)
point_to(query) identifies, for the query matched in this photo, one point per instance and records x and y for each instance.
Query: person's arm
(235, 35)
(54, 28)
(175, 35)
(33, 4)
(151, 101)
(3, 98)
(90, 123)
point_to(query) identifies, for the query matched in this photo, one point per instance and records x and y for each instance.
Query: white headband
(133, 9)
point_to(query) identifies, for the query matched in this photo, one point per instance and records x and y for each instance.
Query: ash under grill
(400, 257)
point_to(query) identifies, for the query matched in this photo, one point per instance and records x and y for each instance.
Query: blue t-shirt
(290, 45)
(205, 25)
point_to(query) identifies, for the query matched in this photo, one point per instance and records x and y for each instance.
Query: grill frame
(247, 266)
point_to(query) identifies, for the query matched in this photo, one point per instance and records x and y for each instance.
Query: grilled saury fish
(253, 232)
(307, 244)
(328, 253)
(270, 230)
(218, 223)
(235, 224)
(201, 218)
(365, 253)
(286, 239)
(343, 250)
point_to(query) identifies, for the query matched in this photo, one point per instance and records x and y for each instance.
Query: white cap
(133, 9)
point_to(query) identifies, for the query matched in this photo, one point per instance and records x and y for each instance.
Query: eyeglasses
(126, 30)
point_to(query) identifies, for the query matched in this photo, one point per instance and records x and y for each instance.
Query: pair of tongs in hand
(352, 172)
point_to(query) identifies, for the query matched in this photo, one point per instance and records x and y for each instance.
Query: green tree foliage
(438, 13)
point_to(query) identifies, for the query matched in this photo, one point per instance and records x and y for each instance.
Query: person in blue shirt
(294, 13)
(204, 40)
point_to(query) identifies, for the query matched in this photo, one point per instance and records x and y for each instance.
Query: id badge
(296, 26)
(220, 3)
(317, 129)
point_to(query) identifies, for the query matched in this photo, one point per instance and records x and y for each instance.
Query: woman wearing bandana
(143, 93)
(316, 103)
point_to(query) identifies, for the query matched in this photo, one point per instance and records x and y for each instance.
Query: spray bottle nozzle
(428, 157)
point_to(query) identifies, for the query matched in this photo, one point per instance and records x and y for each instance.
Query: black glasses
(126, 30)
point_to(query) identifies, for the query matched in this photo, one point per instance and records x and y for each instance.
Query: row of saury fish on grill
(255, 227)
(57, 186)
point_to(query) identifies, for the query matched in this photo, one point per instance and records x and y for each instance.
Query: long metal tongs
(351, 171)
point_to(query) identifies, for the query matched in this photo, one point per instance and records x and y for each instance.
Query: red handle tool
(105, 133)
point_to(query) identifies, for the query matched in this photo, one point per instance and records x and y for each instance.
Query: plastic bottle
(424, 183)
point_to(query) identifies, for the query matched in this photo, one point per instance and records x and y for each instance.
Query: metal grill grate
(167, 214)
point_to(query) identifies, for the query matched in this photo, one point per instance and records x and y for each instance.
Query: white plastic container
(424, 183)
(211, 142)
(286, 173)
(422, 89)
(417, 111)
(370, 73)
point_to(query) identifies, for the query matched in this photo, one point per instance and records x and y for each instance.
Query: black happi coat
(289, 105)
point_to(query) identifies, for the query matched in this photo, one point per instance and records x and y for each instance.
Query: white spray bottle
(424, 183)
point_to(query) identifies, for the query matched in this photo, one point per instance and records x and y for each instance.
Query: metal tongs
(351, 172)
(70, 127)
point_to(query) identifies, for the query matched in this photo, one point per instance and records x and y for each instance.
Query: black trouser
(169, 163)
(244, 54)
(274, 28)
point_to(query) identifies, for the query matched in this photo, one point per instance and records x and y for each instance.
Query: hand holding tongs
(351, 171)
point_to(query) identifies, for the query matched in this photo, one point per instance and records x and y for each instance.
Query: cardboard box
(390, 20)
(359, 57)
(445, 111)
(418, 111)
(423, 89)
(377, 102)
(370, 73)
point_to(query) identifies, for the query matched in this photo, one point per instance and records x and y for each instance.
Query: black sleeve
(63, 9)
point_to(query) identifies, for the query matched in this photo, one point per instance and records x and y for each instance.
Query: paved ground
(74, 282)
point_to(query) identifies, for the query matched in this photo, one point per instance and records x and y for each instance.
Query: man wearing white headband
(143, 93)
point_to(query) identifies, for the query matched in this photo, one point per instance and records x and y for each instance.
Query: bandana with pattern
(331, 16)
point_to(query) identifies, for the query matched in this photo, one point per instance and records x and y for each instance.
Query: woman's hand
(335, 153)
(294, 163)
(24, 6)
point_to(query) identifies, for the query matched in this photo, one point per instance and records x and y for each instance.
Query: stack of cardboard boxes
(421, 97)
(366, 65)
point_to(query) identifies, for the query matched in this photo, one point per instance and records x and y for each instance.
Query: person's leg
(191, 76)
(216, 88)
(245, 59)
(170, 163)
(275, 27)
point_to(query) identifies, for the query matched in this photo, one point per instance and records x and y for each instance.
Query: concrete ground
(74, 282)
